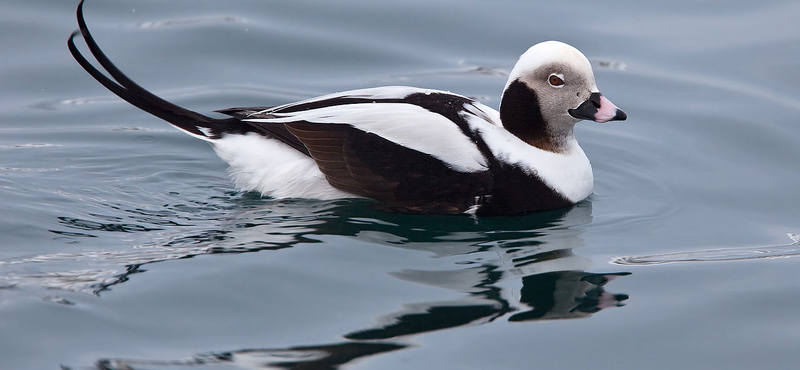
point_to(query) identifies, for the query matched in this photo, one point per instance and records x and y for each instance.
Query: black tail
(131, 92)
(194, 123)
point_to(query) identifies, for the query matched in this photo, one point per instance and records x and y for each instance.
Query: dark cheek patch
(522, 116)
(520, 112)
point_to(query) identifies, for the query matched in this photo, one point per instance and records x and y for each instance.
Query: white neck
(567, 171)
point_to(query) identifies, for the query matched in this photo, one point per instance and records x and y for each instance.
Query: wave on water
(718, 254)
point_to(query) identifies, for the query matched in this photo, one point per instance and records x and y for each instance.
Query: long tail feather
(131, 92)
(191, 122)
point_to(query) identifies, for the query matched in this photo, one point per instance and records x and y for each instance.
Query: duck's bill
(599, 109)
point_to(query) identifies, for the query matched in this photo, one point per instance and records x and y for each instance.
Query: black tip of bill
(620, 116)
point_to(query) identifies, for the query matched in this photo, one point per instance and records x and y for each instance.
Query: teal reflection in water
(515, 269)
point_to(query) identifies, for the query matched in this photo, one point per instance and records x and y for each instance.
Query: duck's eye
(556, 80)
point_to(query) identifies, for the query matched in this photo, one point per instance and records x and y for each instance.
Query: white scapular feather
(405, 124)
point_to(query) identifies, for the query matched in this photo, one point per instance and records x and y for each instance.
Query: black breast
(516, 192)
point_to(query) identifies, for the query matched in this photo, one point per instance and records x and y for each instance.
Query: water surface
(125, 244)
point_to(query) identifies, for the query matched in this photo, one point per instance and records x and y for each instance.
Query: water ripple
(714, 255)
(191, 22)
(28, 146)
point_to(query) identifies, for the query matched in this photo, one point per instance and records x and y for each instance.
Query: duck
(410, 149)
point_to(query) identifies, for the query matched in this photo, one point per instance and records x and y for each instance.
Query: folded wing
(407, 156)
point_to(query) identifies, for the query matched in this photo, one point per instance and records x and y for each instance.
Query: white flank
(274, 169)
(404, 124)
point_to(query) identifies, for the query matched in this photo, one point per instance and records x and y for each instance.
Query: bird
(412, 150)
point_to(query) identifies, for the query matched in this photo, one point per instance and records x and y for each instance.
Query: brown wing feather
(366, 164)
(324, 144)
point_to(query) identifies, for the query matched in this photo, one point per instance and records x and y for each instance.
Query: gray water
(125, 245)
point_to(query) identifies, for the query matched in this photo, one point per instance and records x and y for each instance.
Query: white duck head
(551, 88)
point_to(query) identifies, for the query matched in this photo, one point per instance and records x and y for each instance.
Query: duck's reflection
(323, 357)
(513, 269)
(566, 295)
(547, 296)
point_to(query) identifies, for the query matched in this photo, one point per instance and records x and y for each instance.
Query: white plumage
(266, 165)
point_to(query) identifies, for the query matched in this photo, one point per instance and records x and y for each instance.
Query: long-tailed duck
(414, 150)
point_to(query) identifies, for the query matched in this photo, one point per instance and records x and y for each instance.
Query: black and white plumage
(414, 150)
